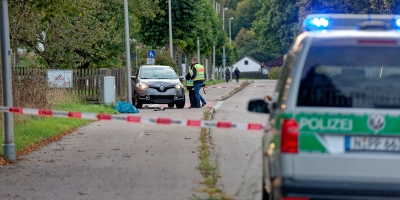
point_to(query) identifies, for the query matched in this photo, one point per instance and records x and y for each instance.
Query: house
(277, 62)
(247, 64)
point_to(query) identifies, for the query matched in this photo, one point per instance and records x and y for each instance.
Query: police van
(334, 125)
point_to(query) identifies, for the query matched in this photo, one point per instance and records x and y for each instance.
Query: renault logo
(376, 122)
(161, 88)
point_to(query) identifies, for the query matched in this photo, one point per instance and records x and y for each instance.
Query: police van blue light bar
(318, 22)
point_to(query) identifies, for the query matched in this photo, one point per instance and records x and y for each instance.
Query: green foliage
(190, 19)
(246, 10)
(276, 24)
(68, 33)
(162, 58)
(273, 73)
(247, 44)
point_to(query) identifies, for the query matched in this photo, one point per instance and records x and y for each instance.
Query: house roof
(274, 62)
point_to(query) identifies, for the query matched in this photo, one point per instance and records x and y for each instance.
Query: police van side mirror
(258, 106)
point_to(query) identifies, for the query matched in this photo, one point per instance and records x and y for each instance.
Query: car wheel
(170, 105)
(182, 104)
(136, 102)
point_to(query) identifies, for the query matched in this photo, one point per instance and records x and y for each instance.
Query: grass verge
(32, 132)
(207, 167)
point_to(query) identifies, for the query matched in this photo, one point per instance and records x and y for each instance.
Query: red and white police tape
(134, 119)
(237, 86)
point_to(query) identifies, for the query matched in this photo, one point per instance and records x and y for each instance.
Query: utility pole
(198, 50)
(128, 52)
(8, 123)
(170, 31)
(213, 65)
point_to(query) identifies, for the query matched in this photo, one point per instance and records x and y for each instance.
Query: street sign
(151, 61)
(151, 53)
(264, 71)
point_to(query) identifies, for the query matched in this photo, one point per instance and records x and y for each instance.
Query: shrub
(273, 73)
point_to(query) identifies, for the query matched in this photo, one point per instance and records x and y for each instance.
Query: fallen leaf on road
(187, 138)
(193, 152)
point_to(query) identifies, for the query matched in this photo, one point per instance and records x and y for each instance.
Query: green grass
(25, 62)
(31, 130)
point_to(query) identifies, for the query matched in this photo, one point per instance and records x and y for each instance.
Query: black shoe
(203, 104)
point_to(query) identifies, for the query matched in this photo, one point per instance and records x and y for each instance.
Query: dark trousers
(192, 96)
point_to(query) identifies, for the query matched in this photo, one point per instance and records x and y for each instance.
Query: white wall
(251, 66)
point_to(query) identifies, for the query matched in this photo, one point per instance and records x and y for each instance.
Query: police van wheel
(170, 105)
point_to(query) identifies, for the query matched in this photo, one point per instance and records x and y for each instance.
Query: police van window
(351, 76)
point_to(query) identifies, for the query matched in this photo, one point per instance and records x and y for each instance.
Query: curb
(235, 91)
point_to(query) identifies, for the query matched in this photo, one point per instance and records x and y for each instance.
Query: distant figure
(237, 73)
(227, 74)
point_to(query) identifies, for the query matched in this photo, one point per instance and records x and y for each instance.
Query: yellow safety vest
(200, 72)
(190, 82)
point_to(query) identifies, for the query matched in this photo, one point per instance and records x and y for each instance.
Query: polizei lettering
(332, 124)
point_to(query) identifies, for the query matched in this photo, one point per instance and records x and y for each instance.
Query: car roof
(150, 66)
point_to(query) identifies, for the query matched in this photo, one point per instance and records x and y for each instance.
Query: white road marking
(218, 104)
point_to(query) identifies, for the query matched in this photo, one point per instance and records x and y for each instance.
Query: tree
(247, 44)
(68, 33)
(276, 25)
(190, 19)
(245, 15)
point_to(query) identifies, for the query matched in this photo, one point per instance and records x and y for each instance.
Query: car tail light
(295, 198)
(290, 136)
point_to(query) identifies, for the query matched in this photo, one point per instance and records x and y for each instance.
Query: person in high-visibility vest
(190, 88)
(198, 78)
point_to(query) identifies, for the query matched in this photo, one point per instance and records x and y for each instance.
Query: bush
(30, 90)
(273, 73)
(162, 58)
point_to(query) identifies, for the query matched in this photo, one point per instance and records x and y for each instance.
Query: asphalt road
(119, 160)
(238, 152)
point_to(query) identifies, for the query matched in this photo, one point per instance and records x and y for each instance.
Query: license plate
(161, 101)
(367, 143)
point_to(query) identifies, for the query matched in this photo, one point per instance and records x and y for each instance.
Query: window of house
(246, 62)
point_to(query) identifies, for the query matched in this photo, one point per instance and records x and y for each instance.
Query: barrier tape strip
(235, 86)
(134, 119)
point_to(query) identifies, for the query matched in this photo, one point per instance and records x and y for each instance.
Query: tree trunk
(189, 61)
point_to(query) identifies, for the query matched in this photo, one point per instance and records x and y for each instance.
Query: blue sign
(151, 53)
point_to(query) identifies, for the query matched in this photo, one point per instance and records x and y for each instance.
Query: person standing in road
(237, 73)
(198, 78)
(227, 74)
(190, 88)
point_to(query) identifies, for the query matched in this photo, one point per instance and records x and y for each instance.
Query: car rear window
(351, 76)
(157, 73)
